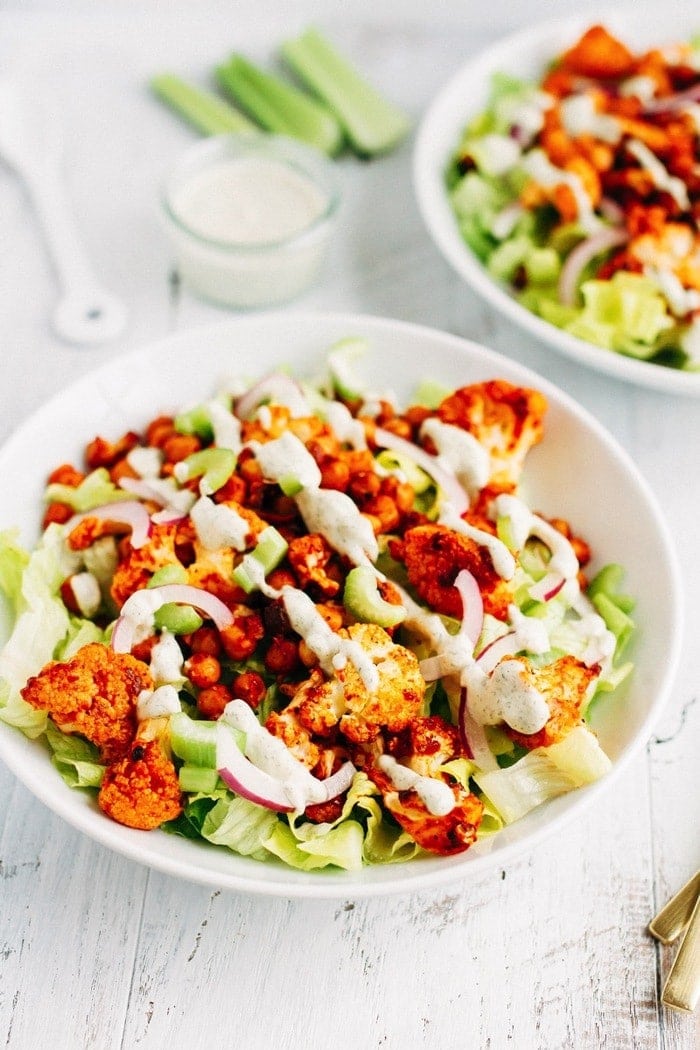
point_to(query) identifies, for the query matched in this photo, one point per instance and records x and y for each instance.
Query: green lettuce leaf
(76, 759)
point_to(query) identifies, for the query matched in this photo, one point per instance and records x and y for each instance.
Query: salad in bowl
(574, 186)
(306, 625)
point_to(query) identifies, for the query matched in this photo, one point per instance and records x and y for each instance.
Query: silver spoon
(86, 312)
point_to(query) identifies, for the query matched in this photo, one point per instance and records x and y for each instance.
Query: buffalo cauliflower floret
(399, 695)
(506, 419)
(141, 790)
(94, 694)
(434, 555)
(454, 832)
(564, 684)
(426, 744)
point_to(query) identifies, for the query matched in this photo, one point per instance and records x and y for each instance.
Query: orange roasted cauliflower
(141, 790)
(94, 693)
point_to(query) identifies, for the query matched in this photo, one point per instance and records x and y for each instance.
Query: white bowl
(608, 499)
(526, 54)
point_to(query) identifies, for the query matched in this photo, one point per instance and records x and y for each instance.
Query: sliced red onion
(277, 387)
(246, 779)
(472, 605)
(610, 237)
(141, 488)
(181, 593)
(611, 210)
(473, 737)
(239, 773)
(507, 645)
(123, 512)
(335, 784)
(446, 480)
(168, 516)
(186, 594)
(671, 102)
(431, 668)
(548, 587)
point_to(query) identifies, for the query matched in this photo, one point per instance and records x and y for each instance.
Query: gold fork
(682, 913)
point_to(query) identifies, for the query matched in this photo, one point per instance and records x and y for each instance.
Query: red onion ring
(581, 255)
(123, 512)
(676, 101)
(182, 594)
(472, 605)
(548, 587)
(473, 737)
(447, 481)
(506, 645)
(276, 386)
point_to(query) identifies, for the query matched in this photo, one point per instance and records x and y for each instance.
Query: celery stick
(202, 109)
(372, 123)
(278, 106)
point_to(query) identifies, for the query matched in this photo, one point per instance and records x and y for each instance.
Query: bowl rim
(432, 151)
(404, 878)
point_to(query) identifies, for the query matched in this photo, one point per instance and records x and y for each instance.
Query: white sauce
(525, 524)
(250, 200)
(661, 178)
(502, 559)
(681, 300)
(435, 794)
(137, 612)
(272, 756)
(641, 87)
(87, 594)
(218, 525)
(505, 696)
(145, 461)
(226, 427)
(324, 642)
(496, 154)
(531, 633)
(157, 702)
(338, 519)
(286, 457)
(538, 166)
(346, 428)
(166, 491)
(460, 452)
(580, 117)
(167, 660)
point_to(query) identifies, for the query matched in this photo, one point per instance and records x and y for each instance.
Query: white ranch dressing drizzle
(218, 525)
(460, 452)
(226, 426)
(338, 519)
(167, 491)
(435, 794)
(146, 461)
(86, 591)
(272, 756)
(580, 117)
(249, 200)
(538, 166)
(332, 650)
(167, 660)
(502, 559)
(680, 299)
(154, 703)
(660, 176)
(345, 426)
(505, 696)
(525, 524)
(287, 456)
(138, 610)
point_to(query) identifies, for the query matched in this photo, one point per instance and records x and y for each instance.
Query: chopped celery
(616, 620)
(341, 360)
(478, 239)
(430, 393)
(198, 778)
(361, 597)
(280, 107)
(197, 421)
(268, 553)
(215, 465)
(94, 490)
(398, 462)
(174, 573)
(542, 265)
(178, 619)
(506, 259)
(192, 741)
(371, 123)
(204, 110)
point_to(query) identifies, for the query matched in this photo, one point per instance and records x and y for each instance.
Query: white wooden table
(100, 952)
